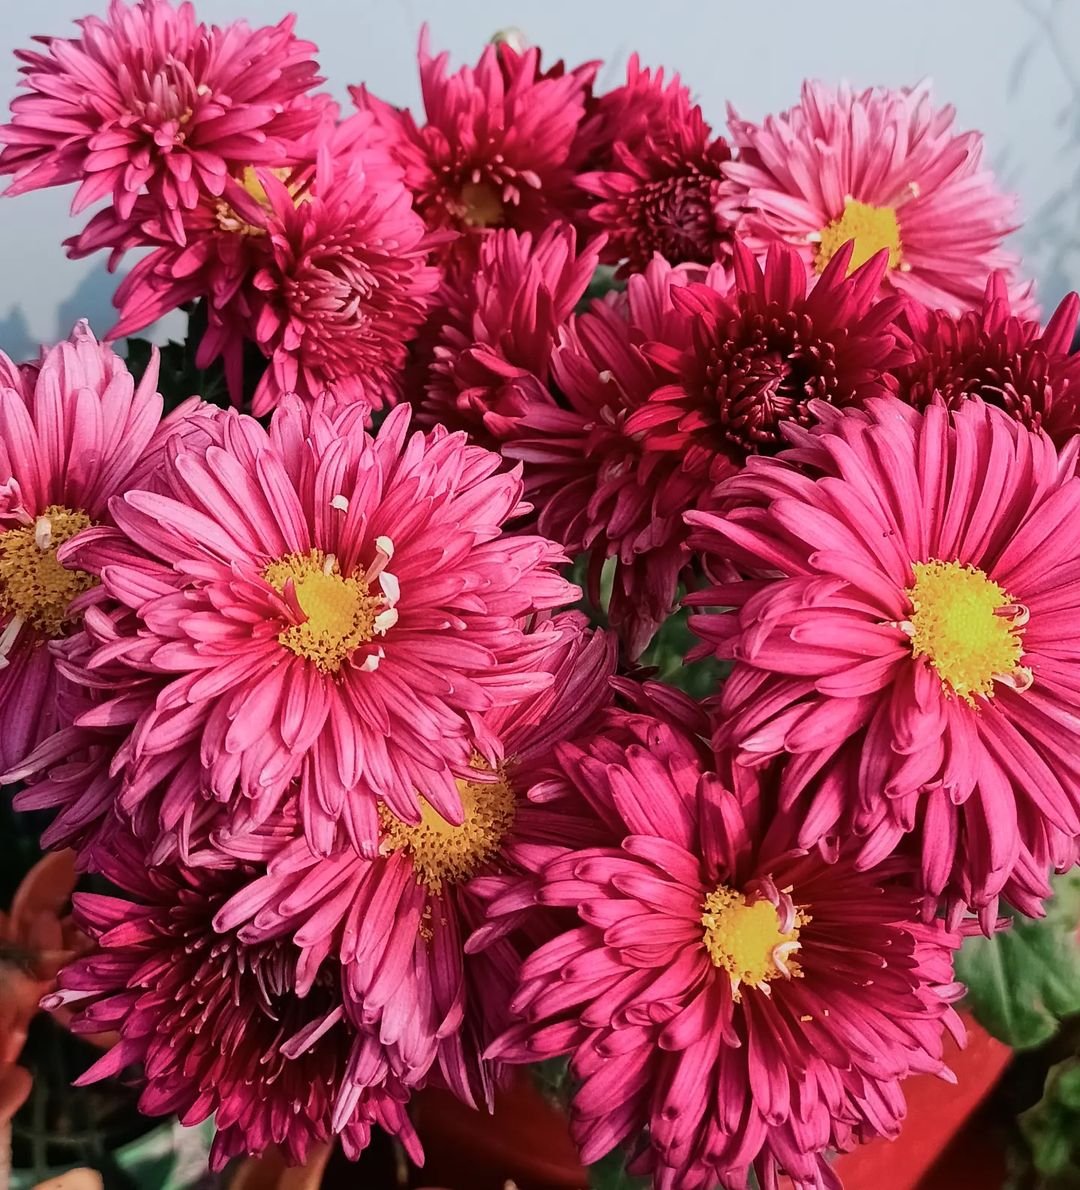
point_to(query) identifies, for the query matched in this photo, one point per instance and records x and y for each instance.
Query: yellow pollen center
(33, 584)
(481, 205)
(442, 852)
(745, 938)
(228, 219)
(340, 612)
(967, 627)
(872, 228)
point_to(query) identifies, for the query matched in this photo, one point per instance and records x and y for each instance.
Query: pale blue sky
(991, 58)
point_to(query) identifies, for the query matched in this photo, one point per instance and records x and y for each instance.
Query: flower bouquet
(588, 592)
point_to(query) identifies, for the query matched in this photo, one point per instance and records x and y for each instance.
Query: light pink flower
(728, 1003)
(149, 101)
(73, 433)
(497, 148)
(882, 168)
(906, 632)
(398, 921)
(328, 609)
(491, 355)
(218, 1027)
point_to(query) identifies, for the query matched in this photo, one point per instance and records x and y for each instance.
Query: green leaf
(603, 282)
(1025, 979)
(1048, 1154)
(667, 652)
(609, 1173)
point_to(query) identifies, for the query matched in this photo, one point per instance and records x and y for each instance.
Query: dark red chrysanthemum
(492, 354)
(995, 354)
(763, 351)
(662, 194)
(497, 148)
(593, 483)
(217, 1025)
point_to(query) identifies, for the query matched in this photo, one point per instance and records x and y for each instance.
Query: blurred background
(1010, 67)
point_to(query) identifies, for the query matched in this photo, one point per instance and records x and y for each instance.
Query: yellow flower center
(442, 852)
(745, 938)
(967, 627)
(33, 584)
(228, 219)
(481, 205)
(872, 228)
(341, 615)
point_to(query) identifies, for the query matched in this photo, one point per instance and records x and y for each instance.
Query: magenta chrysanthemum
(398, 920)
(492, 353)
(884, 169)
(322, 265)
(73, 433)
(217, 1025)
(764, 350)
(995, 354)
(328, 608)
(728, 1004)
(496, 150)
(594, 486)
(150, 101)
(661, 195)
(907, 633)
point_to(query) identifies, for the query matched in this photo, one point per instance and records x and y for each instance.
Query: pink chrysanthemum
(491, 355)
(763, 351)
(884, 169)
(908, 635)
(149, 101)
(328, 608)
(592, 483)
(218, 1026)
(398, 921)
(321, 265)
(625, 115)
(496, 150)
(995, 354)
(728, 1003)
(73, 432)
(661, 195)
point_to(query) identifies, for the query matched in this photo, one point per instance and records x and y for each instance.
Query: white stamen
(371, 661)
(780, 956)
(606, 376)
(43, 533)
(391, 588)
(341, 503)
(329, 563)
(386, 620)
(8, 637)
(385, 546)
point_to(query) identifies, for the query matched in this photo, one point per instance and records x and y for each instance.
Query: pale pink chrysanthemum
(219, 1027)
(906, 632)
(398, 921)
(994, 353)
(491, 355)
(882, 168)
(662, 194)
(590, 479)
(329, 608)
(149, 101)
(497, 148)
(73, 432)
(730, 1005)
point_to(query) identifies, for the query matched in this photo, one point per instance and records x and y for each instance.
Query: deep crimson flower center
(33, 585)
(765, 373)
(676, 217)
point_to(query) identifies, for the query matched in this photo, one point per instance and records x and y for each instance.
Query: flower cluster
(385, 799)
